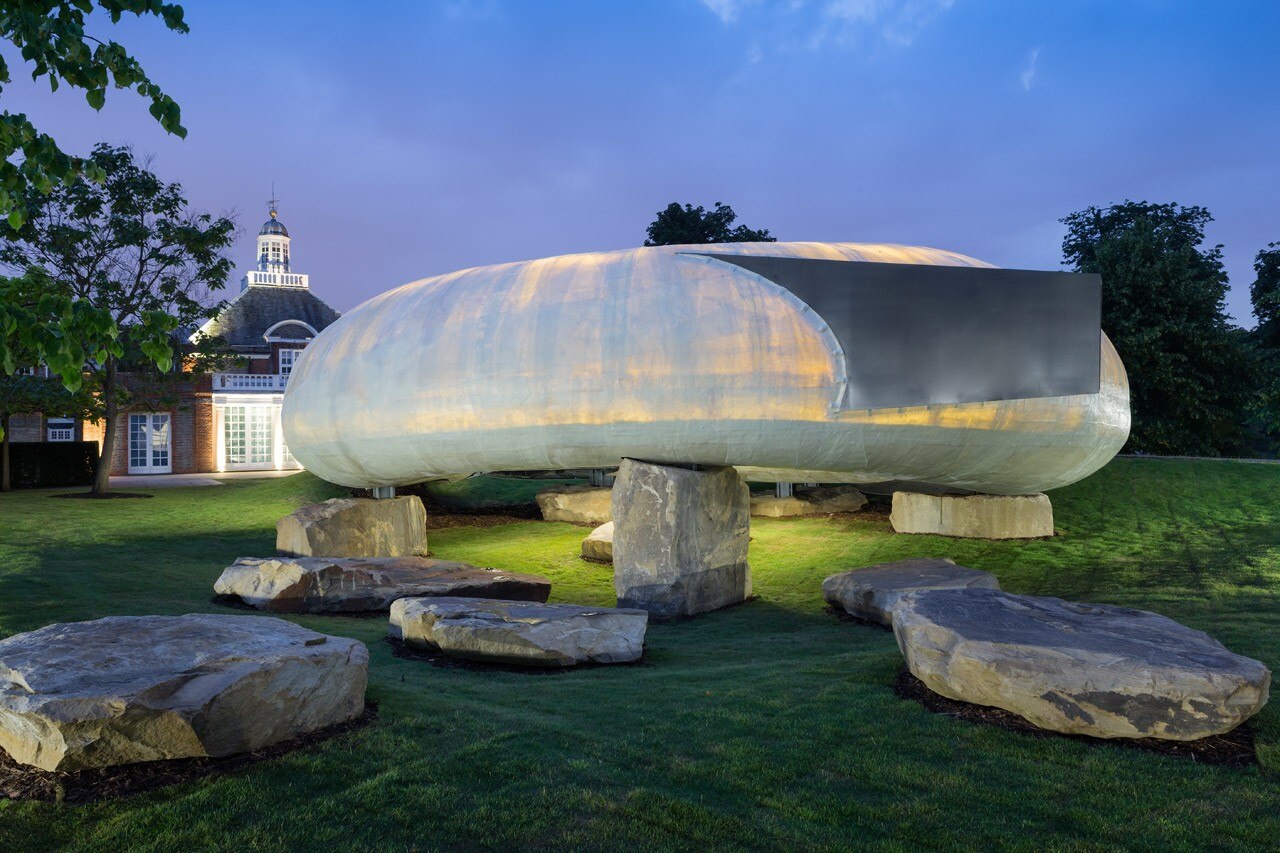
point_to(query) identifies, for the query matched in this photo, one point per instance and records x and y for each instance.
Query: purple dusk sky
(408, 139)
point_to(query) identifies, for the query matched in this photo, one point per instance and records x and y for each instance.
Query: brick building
(224, 421)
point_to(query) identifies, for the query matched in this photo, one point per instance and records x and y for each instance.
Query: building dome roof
(273, 226)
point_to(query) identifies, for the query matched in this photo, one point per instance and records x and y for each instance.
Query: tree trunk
(4, 453)
(102, 474)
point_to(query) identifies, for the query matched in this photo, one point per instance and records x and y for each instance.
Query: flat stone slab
(598, 546)
(354, 584)
(973, 516)
(520, 633)
(355, 527)
(1086, 669)
(576, 504)
(815, 500)
(874, 591)
(147, 688)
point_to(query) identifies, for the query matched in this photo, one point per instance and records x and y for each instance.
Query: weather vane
(271, 203)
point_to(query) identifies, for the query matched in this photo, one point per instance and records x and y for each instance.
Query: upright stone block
(973, 516)
(680, 538)
(355, 527)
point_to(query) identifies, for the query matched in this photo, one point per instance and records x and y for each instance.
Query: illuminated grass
(767, 725)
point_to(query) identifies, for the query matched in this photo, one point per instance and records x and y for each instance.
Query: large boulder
(973, 516)
(520, 633)
(145, 688)
(680, 538)
(874, 591)
(1086, 669)
(576, 504)
(598, 546)
(813, 500)
(355, 527)
(353, 584)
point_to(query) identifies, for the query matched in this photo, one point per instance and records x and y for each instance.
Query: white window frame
(294, 352)
(149, 457)
(65, 429)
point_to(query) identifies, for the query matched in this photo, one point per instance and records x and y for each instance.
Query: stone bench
(521, 633)
(973, 516)
(346, 585)
(809, 500)
(872, 592)
(598, 546)
(355, 527)
(576, 504)
(1087, 669)
(127, 689)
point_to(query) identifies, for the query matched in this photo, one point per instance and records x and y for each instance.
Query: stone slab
(874, 591)
(598, 546)
(1087, 669)
(521, 633)
(680, 538)
(353, 584)
(973, 516)
(127, 689)
(355, 527)
(815, 500)
(576, 504)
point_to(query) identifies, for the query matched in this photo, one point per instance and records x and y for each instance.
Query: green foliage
(50, 35)
(1192, 374)
(769, 725)
(677, 226)
(1264, 293)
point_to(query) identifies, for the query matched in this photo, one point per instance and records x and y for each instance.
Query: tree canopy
(50, 36)
(1191, 372)
(1264, 293)
(127, 253)
(676, 225)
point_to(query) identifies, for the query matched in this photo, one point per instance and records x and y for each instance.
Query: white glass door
(149, 444)
(248, 437)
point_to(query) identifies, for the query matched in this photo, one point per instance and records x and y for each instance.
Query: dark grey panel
(915, 334)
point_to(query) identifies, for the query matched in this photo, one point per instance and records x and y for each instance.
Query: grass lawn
(771, 724)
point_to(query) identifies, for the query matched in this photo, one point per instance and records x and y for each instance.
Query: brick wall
(26, 427)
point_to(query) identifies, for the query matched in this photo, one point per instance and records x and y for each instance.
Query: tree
(130, 251)
(1191, 372)
(676, 226)
(1264, 293)
(50, 34)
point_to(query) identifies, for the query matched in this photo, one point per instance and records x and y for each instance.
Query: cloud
(1028, 75)
(727, 10)
(897, 22)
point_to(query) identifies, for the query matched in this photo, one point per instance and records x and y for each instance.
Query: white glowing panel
(657, 354)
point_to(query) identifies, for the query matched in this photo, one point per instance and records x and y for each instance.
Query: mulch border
(1233, 749)
(79, 787)
(235, 602)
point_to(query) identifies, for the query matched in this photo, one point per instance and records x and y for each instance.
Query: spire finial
(273, 201)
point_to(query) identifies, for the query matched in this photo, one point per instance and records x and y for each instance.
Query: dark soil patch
(439, 518)
(402, 650)
(106, 497)
(235, 602)
(1233, 749)
(20, 782)
(845, 616)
